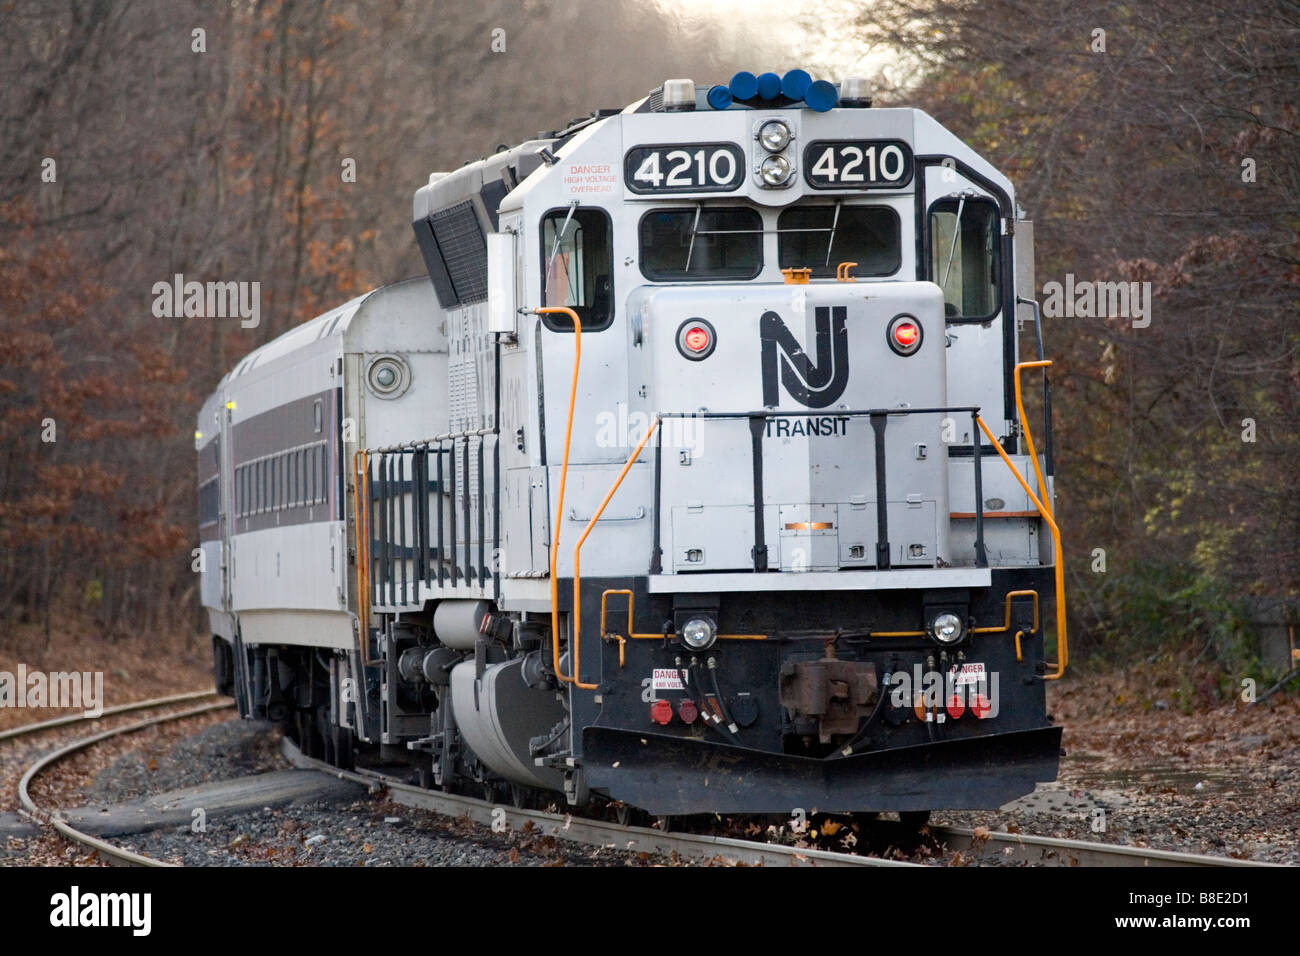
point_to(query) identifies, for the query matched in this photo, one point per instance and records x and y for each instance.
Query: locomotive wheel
(323, 739)
(626, 816)
(307, 732)
(665, 823)
(342, 741)
(520, 796)
(302, 732)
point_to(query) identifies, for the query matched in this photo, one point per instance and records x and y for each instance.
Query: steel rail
(600, 833)
(1014, 847)
(1052, 851)
(106, 712)
(52, 818)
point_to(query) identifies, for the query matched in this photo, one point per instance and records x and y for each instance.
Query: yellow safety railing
(1007, 625)
(608, 635)
(577, 552)
(1062, 646)
(1044, 511)
(604, 631)
(559, 508)
(1029, 439)
(361, 528)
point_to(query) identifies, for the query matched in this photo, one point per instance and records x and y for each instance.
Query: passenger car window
(821, 237)
(700, 243)
(964, 258)
(577, 267)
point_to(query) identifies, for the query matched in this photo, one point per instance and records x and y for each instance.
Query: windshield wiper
(690, 249)
(555, 247)
(834, 222)
(956, 227)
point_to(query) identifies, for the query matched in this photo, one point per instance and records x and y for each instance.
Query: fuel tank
(498, 713)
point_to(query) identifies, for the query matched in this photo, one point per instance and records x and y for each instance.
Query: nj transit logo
(811, 384)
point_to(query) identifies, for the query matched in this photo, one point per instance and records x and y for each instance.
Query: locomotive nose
(788, 401)
(793, 348)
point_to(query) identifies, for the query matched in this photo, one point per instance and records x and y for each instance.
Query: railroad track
(603, 833)
(51, 816)
(1009, 848)
(1006, 847)
(1050, 851)
(151, 704)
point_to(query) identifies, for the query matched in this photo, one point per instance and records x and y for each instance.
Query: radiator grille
(464, 250)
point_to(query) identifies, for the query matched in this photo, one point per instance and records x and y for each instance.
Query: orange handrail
(1007, 626)
(976, 630)
(604, 631)
(361, 525)
(559, 507)
(1062, 649)
(577, 549)
(633, 635)
(1024, 426)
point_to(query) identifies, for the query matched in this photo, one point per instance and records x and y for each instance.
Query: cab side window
(964, 256)
(577, 267)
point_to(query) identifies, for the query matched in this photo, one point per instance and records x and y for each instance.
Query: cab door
(964, 257)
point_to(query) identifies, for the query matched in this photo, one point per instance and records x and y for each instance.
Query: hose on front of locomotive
(847, 749)
(722, 704)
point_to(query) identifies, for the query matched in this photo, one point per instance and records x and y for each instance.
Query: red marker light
(980, 706)
(661, 712)
(696, 338)
(687, 711)
(906, 334)
(956, 706)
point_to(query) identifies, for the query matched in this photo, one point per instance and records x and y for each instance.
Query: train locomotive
(695, 475)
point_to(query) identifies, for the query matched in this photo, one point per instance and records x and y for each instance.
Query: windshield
(698, 243)
(821, 237)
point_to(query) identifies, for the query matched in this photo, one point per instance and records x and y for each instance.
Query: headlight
(699, 634)
(775, 171)
(946, 628)
(388, 376)
(774, 135)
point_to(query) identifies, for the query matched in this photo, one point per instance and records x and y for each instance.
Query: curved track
(725, 850)
(152, 703)
(1005, 848)
(1036, 851)
(51, 817)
